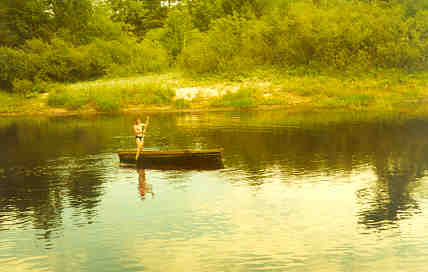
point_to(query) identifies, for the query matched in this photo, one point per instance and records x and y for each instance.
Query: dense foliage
(73, 40)
(338, 35)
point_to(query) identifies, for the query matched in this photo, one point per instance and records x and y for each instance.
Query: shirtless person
(140, 132)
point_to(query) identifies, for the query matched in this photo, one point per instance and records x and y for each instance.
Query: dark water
(299, 192)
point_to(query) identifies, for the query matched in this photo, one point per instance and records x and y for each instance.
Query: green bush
(149, 57)
(62, 97)
(352, 101)
(154, 94)
(40, 86)
(358, 99)
(23, 87)
(13, 66)
(60, 61)
(108, 101)
(218, 50)
(346, 36)
(57, 98)
(9, 102)
(131, 57)
(182, 103)
(110, 98)
(274, 100)
(198, 57)
(243, 98)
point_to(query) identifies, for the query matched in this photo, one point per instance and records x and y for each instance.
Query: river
(298, 192)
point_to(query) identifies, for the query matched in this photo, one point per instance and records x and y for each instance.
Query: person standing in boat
(140, 132)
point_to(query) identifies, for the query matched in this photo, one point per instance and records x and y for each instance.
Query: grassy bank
(262, 88)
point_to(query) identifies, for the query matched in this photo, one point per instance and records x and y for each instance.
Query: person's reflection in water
(143, 187)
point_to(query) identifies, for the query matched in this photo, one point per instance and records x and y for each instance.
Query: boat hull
(175, 159)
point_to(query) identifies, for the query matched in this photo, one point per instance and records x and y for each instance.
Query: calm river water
(299, 192)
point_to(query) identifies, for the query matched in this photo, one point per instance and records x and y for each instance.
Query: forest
(66, 41)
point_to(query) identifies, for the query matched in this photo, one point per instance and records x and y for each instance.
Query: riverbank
(263, 89)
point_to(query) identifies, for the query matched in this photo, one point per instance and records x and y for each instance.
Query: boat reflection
(144, 188)
(182, 165)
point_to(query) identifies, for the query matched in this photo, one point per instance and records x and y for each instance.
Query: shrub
(60, 61)
(346, 36)
(62, 97)
(9, 102)
(110, 97)
(218, 50)
(130, 57)
(149, 57)
(23, 87)
(13, 63)
(107, 101)
(352, 101)
(182, 103)
(198, 57)
(40, 86)
(29, 88)
(154, 94)
(358, 99)
(274, 100)
(57, 98)
(243, 98)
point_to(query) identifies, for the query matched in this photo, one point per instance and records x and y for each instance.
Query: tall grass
(377, 92)
(9, 102)
(110, 97)
(245, 97)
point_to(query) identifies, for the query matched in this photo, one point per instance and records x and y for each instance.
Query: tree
(21, 20)
(72, 14)
(177, 27)
(142, 15)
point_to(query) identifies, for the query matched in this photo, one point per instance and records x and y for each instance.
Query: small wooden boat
(208, 159)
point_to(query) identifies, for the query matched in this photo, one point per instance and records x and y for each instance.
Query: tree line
(73, 40)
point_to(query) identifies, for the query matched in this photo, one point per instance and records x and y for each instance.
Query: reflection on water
(39, 195)
(298, 192)
(144, 188)
(399, 164)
